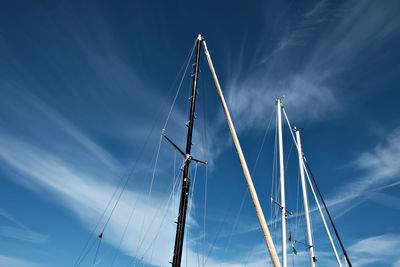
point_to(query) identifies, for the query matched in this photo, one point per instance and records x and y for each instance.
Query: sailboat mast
(282, 181)
(305, 197)
(180, 229)
(252, 190)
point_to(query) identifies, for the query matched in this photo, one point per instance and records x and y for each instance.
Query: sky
(87, 87)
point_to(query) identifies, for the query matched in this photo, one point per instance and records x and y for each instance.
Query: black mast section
(180, 229)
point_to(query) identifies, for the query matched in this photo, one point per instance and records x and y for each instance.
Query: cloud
(377, 249)
(309, 59)
(319, 7)
(379, 168)
(87, 196)
(22, 235)
(16, 262)
(21, 232)
(379, 171)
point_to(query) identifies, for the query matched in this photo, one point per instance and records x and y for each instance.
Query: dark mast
(180, 229)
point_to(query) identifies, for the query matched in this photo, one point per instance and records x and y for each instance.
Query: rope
(97, 251)
(124, 233)
(139, 155)
(328, 213)
(190, 209)
(221, 227)
(81, 257)
(262, 145)
(137, 198)
(174, 182)
(163, 218)
(141, 237)
(245, 192)
(205, 213)
(180, 84)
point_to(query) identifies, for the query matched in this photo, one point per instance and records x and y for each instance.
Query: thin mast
(315, 196)
(180, 229)
(256, 202)
(282, 181)
(323, 219)
(329, 215)
(305, 198)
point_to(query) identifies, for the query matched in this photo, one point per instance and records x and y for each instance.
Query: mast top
(295, 129)
(200, 37)
(280, 98)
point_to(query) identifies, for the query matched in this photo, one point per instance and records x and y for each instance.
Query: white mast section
(315, 197)
(323, 218)
(305, 198)
(253, 194)
(282, 181)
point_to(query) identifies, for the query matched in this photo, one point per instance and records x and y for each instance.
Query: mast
(180, 229)
(253, 193)
(305, 198)
(282, 181)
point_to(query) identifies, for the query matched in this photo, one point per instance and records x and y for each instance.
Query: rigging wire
(81, 256)
(154, 158)
(205, 155)
(141, 238)
(139, 155)
(205, 213)
(97, 251)
(327, 212)
(147, 138)
(180, 85)
(187, 61)
(163, 217)
(245, 192)
(161, 136)
(190, 209)
(171, 196)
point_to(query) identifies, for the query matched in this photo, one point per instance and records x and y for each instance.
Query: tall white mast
(282, 181)
(315, 197)
(305, 197)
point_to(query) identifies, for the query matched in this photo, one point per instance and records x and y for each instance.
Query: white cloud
(380, 169)
(353, 27)
(16, 262)
(21, 231)
(22, 234)
(87, 197)
(377, 249)
(251, 101)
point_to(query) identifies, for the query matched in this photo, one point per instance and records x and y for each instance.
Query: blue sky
(85, 85)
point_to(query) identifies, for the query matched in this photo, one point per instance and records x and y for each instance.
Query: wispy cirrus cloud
(379, 168)
(20, 231)
(87, 197)
(16, 262)
(376, 250)
(22, 234)
(86, 191)
(307, 76)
